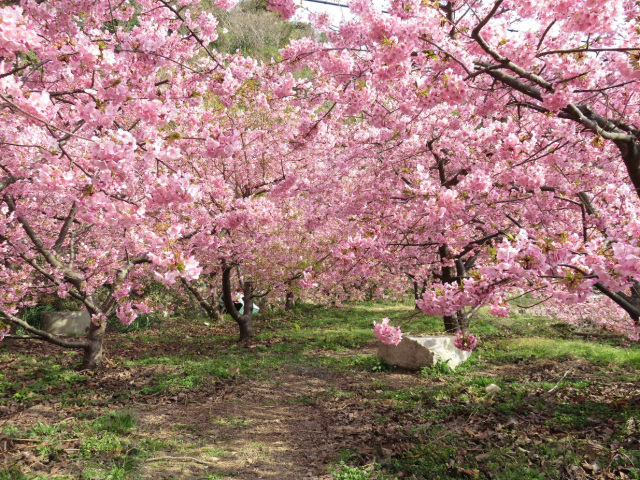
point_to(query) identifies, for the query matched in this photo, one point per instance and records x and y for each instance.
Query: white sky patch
(336, 13)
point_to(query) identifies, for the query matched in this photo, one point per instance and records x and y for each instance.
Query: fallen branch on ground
(180, 459)
(559, 382)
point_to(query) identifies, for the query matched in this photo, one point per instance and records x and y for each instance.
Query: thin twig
(34, 117)
(180, 459)
(559, 382)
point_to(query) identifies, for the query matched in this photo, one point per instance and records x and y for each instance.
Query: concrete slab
(65, 323)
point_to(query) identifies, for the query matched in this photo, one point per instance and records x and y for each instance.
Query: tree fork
(212, 309)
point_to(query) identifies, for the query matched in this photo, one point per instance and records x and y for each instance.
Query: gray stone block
(414, 353)
(65, 323)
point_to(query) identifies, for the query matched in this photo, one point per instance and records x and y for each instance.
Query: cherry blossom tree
(484, 150)
(538, 113)
(89, 100)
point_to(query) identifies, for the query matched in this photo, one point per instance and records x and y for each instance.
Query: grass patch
(559, 349)
(345, 472)
(120, 422)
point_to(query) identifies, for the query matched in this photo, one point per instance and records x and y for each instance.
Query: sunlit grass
(558, 349)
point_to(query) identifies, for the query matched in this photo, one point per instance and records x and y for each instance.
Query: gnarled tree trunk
(92, 356)
(244, 321)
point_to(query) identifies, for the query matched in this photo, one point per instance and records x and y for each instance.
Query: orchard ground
(308, 398)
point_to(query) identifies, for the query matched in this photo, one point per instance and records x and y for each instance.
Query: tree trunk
(216, 309)
(288, 305)
(418, 291)
(217, 315)
(246, 327)
(450, 323)
(448, 274)
(92, 357)
(245, 321)
(463, 320)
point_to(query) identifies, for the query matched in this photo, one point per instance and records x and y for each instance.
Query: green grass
(141, 323)
(559, 349)
(345, 472)
(119, 422)
(13, 473)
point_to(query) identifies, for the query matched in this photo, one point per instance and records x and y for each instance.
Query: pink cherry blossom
(387, 334)
(286, 8)
(465, 342)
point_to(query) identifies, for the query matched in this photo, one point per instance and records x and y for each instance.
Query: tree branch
(511, 81)
(65, 227)
(582, 49)
(198, 296)
(632, 310)
(6, 181)
(74, 277)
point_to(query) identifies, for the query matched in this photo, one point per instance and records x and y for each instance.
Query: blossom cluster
(465, 341)
(387, 334)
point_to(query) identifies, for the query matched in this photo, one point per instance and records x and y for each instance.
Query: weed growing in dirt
(13, 473)
(439, 369)
(119, 422)
(345, 472)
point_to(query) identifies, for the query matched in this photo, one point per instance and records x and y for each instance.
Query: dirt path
(288, 427)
